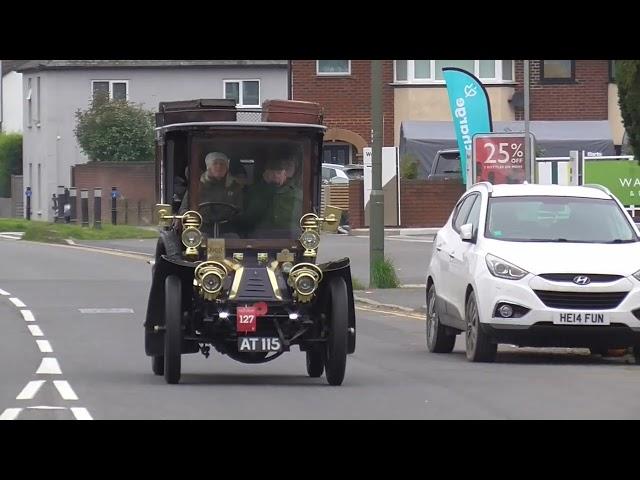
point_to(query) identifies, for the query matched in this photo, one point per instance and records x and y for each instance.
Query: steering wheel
(218, 212)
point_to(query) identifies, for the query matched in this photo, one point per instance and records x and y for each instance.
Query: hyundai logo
(581, 280)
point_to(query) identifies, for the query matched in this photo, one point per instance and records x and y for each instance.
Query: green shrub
(409, 167)
(384, 275)
(10, 160)
(628, 80)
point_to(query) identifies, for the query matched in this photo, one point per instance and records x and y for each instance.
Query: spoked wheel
(315, 363)
(157, 364)
(438, 339)
(479, 346)
(335, 361)
(173, 329)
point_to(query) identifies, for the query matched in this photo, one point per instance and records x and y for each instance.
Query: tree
(115, 130)
(10, 160)
(628, 79)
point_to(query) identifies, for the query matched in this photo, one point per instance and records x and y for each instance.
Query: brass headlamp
(304, 278)
(208, 278)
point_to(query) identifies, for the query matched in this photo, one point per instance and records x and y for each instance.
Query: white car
(536, 266)
(334, 174)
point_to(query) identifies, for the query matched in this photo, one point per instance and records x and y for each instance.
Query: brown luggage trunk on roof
(203, 110)
(291, 111)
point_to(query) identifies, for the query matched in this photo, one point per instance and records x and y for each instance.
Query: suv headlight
(503, 269)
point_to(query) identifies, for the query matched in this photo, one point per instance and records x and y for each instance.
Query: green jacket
(270, 208)
(228, 191)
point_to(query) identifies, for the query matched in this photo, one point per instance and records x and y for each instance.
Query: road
(97, 361)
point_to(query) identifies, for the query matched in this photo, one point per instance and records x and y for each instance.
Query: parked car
(537, 266)
(354, 171)
(446, 166)
(334, 174)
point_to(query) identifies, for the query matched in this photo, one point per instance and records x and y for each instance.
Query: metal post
(528, 165)
(97, 208)
(84, 206)
(28, 194)
(376, 199)
(114, 212)
(61, 202)
(73, 200)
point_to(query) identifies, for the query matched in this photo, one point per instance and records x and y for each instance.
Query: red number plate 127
(246, 319)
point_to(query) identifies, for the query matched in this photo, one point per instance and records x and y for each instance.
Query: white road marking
(49, 366)
(10, 414)
(106, 310)
(28, 316)
(30, 390)
(44, 346)
(65, 390)
(81, 413)
(414, 285)
(35, 330)
(2, 292)
(17, 302)
(47, 407)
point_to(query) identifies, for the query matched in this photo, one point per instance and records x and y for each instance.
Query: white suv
(537, 266)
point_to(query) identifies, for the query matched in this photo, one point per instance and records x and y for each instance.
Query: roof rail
(602, 188)
(485, 184)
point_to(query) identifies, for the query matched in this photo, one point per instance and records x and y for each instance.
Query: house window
(29, 104)
(430, 71)
(246, 93)
(558, 71)
(336, 153)
(333, 67)
(116, 89)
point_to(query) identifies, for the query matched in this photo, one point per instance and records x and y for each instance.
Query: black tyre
(335, 361)
(636, 354)
(438, 339)
(479, 346)
(157, 364)
(315, 363)
(173, 329)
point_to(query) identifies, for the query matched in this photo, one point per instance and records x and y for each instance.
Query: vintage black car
(235, 265)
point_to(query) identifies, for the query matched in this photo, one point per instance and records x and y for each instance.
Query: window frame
(332, 74)
(111, 82)
(411, 80)
(551, 81)
(240, 81)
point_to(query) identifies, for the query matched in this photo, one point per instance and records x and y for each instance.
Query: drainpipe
(290, 81)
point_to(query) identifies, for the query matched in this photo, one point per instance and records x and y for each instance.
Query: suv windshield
(557, 219)
(248, 187)
(448, 162)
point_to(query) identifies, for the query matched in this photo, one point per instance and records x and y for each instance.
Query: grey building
(53, 90)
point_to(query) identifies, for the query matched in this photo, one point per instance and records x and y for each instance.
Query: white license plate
(259, 344)
(580, 318)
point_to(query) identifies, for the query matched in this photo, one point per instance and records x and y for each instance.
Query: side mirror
(466, 233)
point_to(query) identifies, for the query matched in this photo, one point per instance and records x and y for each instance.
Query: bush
(628, 80)
(115, 130)
(357, 284)
(10, 160)
(409, 167)
(384, 275)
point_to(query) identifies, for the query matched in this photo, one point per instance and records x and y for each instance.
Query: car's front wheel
(315, 363)
(157, 364)
(335, 357)
(479, 347)
(438, 339)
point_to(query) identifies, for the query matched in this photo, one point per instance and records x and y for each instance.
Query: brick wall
(585, 99)
(346, 99)
(135, 182)
(427, 204)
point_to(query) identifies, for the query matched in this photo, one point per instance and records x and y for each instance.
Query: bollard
(84, 206)
(73, 200)
(67, 206)
(114, 212)
(28, 195)
(61, 202)
(97, 208)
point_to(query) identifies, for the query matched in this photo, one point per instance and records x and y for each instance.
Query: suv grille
(581, 300)
(568, 277)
